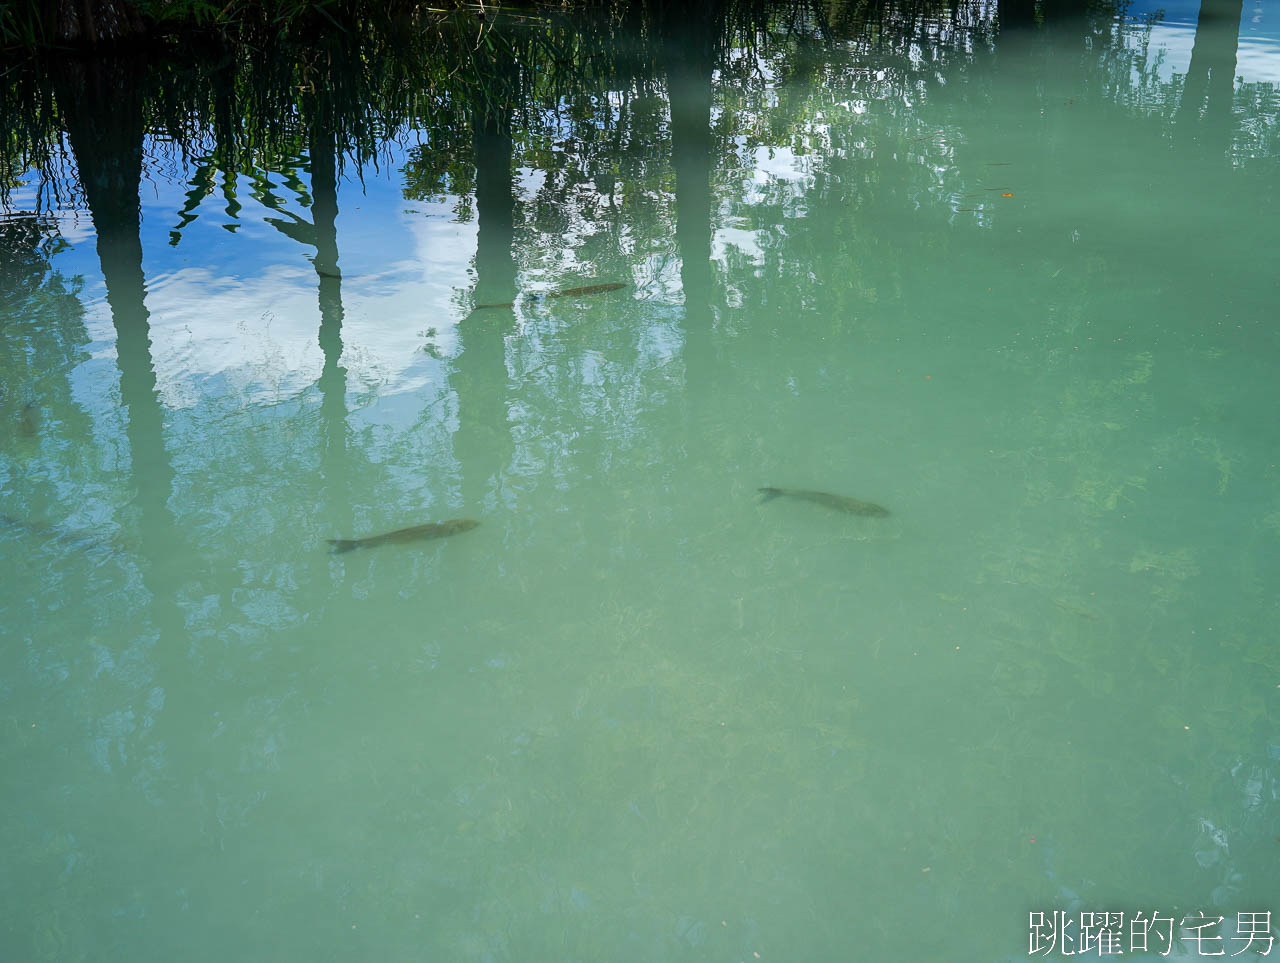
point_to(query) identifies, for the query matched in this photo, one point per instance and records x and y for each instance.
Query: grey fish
(587, 289)
(841, 503)
(412, 534)
(29, 420)
(564, 293)
(70, 537)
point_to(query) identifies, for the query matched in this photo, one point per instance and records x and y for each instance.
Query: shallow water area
(1009, 278)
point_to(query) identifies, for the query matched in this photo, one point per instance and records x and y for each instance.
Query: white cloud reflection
(257, 334)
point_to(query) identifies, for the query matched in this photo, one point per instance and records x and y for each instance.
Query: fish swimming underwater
(587, 289)
(840, 503)
(74, 538)
(566, 293)
(29, 420)
(414, 533)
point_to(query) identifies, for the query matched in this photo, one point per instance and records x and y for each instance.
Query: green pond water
(1012, 285)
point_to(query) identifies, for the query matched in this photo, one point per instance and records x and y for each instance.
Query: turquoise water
(1000, 283)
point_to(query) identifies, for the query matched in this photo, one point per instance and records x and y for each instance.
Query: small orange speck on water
(1006, 195)
(928, 377)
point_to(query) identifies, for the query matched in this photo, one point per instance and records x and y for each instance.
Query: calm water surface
(1016, 286)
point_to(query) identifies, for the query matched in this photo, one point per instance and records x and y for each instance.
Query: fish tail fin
(769, 494)
(343, 544)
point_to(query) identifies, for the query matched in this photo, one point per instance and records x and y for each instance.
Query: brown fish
(840, 503)
(412, 534)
